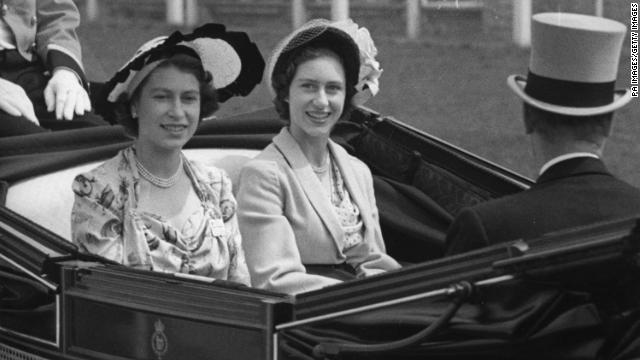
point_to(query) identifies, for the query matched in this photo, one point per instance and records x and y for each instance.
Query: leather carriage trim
(407, 166)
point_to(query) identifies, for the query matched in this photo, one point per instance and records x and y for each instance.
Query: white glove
(15, 101)
(65, 95)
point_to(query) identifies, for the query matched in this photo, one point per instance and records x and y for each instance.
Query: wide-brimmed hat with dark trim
(233, 60)
(573, 65)
(349, 41)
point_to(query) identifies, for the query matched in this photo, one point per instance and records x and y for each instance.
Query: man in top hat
(569, 99)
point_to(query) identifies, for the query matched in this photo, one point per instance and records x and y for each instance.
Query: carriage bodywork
(519, 299)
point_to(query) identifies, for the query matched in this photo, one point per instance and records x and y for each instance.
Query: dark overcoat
(571, 193)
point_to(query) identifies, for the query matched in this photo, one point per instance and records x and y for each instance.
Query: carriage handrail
(499, 263)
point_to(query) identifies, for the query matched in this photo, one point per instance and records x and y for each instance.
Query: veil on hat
(234, 61)
(369, 69)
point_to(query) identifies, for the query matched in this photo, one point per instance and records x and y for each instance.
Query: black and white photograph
(319, 180)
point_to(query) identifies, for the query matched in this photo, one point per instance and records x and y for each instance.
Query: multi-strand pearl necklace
(322, 168)
(156, 180)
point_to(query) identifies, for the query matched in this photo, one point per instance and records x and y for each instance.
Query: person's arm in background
(57, 44)
(14, 101)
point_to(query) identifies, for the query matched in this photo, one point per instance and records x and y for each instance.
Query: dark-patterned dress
(106, 221)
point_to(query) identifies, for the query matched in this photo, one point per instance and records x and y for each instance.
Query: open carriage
(571, 294)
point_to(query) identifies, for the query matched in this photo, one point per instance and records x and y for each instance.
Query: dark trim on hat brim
(518, 82)
(252, 62)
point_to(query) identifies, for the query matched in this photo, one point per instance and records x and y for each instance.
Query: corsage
(370, 71)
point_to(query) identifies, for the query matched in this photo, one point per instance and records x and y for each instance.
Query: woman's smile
(321, 116)
(174, 128)
(316, 98)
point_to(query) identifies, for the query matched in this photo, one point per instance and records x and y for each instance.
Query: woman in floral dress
(150, 207)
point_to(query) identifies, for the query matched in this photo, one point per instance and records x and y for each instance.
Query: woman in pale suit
(306, 208)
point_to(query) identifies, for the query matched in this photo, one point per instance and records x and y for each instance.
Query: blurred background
(445, 62)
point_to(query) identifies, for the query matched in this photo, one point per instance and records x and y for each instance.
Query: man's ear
(609, 129)
(527, 118)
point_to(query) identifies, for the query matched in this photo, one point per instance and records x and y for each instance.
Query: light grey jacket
(287, 221)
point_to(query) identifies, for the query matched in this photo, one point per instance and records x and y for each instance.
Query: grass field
(455, 90)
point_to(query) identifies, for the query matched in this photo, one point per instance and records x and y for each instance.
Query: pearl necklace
(322, 168)
(156, 180)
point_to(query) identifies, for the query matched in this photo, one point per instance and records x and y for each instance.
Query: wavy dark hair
(282, 78)
(187, 63)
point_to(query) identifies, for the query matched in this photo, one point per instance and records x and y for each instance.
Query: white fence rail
(185, 13)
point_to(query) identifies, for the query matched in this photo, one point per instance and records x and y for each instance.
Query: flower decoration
(370, 71)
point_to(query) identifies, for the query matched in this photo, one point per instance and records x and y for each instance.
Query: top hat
(573, 65)
(353, 44)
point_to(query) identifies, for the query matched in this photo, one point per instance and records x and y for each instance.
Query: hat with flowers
(351, 42)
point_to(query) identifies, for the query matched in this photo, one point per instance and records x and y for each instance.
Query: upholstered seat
(47, 199)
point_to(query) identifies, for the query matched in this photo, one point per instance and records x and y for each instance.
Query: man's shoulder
(622, 194)
(570, 192)
(549, 206)
(511, 203)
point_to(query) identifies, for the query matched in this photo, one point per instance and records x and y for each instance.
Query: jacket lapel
(573, 167)
(309, 182)
(350, 180)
